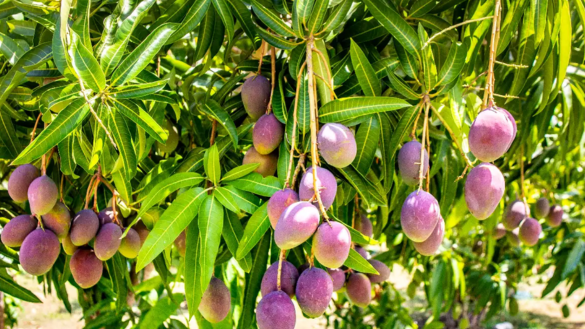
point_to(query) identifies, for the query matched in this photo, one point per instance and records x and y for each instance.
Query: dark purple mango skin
(107, 241)
(39, 251)
(530, 230)
(276, 311)
(84, 227)
(288, 279)
(16, 230)
(430, 246)
(359, 289)
(256, 95)
(20, 180)
(337, 277)
(555, 216)
(409, 162)
(514, 214)
(296, 225)
(314, 291)
(383, 270)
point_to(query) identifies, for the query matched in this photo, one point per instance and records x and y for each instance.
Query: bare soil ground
(535, 313)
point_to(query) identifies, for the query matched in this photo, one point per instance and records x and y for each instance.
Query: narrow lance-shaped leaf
(224, 196)
(193, 291)
(136, 90)
(211, 164)
(85, 65)
(8, 135)
(210, 227)
(192, 19)
(172, 222)
(223, 10)
(357, 262)
(232, 234)
(453, 65)
(8, 286)
(135, 113)
(367, 138)
(272, 20)
(354, 107)
(121, 133)
(255, 183)
(214, 110)
(65, 122)
(254, 230)
(401, 87)
(364, 71)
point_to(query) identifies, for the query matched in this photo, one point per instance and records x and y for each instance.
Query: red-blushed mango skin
(514, 214)
(42, 195)
(491, 134)
(383, 270)
(337, 144)
(484, 188)
(499, 231)
(268, 133)
(331, 244)
(530, 230)
(276, 311)
(39, 251)
(58, 220)
(107, 241)
(278, 202)
(542, 208)
(288, 279)
(363, 252)
(130, 245)
(296, 225)
(513, 121)
(314, 291)
(430, 246)
(216, 301)
(326, 184)
(364, 225)
(181, 243)
(512, 237)
(86, 268)
(256, 95)
(359, 289)
(555, 216)
(20, 180)
(16, 230)
(409, 162)
(337, 277)
(419, 215)
(106, 215)
(84, 227)
(142, 232)
(68, 246)
(267, 162)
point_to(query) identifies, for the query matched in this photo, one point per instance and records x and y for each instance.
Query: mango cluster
(88, 237)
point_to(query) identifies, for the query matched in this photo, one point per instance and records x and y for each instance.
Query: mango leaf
(364, 187)
(367, 138)
(222, 9)
(159, 313)
(8, 286)
(354, 107)
(210, 227)
(8, 135)
(66, 156)
(143, 54)
(573, 259)
(193, 292)
(10, 49)
(239, 172)
(211, 164)
(65, 122)
(215, 111)
(357, 262)
(337, 16)
(253, 281)
(244, 17)
(364, 71)
(166, 187)
(232, 234)
(255, 183)
(85, 65)
(246, 201)
(453, 65)
(421, 7)
(121, 133)
(192, 19)
(396, 25)
(226, 199)
(276, 41)
(272, 20)
(428, 60)
(172, 222)
(317, 16)
(136, 90)
(122, 185)
(401, 87)
(135, 113)
(254, 231)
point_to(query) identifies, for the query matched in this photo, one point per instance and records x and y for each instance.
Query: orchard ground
(535, 313)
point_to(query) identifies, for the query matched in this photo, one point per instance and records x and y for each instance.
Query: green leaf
(65, 148)
(428, 61)
(10, 49)
(421, 7)
(159, 313)
(121, 133)
(564, 45)
(210, 227)
(402, 130)
(211, 164)
(239, 172)
(354, 107)
(192, 19)
(246, 201)
(136, 90)
(364, 71)
(401, 87)
(303, 109)
(214, 110)
(143, 54)
(396, 25)
(337, 16)
(86, 66)
(525, 57)
(272, 20)
(254, 280)
(226, 199)
(172, 222)
(315, 23)
(135, 113)
(244, 17)
(573, 259)
(364, 187)
(254, 231)
(8, 135)
(255, 183)
(8, 286)
(232, 234)
(193, 292)
(367, 138)
(65, 122)
(123, 185)
(276, 41)
(357, 262)
(222, 9)
(166, 187)
(453, 65)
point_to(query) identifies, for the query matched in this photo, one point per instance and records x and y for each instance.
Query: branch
(454, 27)
(273, 78)
(488, 96)
(294, 128)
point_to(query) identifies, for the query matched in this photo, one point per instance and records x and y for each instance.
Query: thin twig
(88, 192)
(460, 147)
(279, 275)
(454, 27)
(213, 128)
(488, 97)
(32, 137)
(333, 95)
(422, 149)
(330, 83)
(428, 152)
(273, 78)
(61, 188)
(294, 127)
(516, 66)
(413, 133)
(262, 50)
(300, 165)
